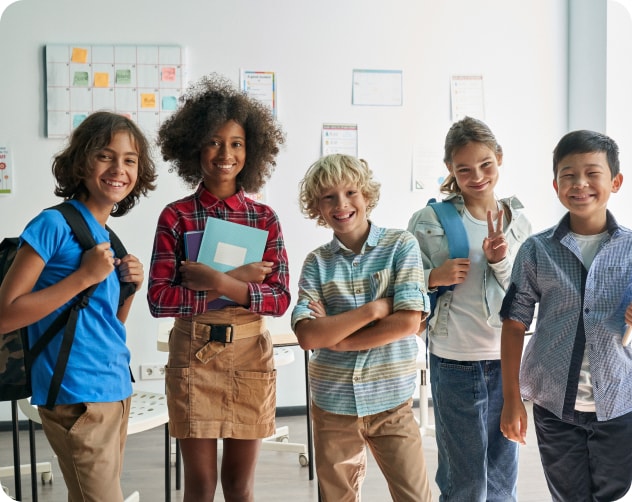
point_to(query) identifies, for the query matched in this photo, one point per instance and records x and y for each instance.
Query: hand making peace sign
(494, 245)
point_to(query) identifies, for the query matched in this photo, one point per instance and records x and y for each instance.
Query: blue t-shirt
(98, 367)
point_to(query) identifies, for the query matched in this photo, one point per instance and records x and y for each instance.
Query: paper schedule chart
(141, 82)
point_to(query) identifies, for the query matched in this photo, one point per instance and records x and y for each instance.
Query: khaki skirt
(217, 389)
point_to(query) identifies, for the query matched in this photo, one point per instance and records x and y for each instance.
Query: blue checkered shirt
(547, 270)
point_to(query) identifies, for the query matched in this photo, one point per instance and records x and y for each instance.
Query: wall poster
(142, 82)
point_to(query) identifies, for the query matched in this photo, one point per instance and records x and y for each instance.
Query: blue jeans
(476, 462)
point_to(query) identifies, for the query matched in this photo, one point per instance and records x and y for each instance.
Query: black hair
(585, 141)
(204, 108)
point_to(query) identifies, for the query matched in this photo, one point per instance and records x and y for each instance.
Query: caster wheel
(303, 460)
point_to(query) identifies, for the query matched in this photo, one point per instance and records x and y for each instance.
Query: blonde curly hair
(333, 170)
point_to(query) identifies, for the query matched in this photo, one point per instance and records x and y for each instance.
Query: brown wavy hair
(74, 164)
(466, 130)
(205, 107)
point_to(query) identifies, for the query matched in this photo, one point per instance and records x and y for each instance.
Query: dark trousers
(585, 460)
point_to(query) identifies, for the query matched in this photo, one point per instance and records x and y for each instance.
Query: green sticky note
(123, 76)
(80, 78)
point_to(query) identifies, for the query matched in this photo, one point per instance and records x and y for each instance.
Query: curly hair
(333, 170)
(204, 108)
(465, 131)
(73, 165)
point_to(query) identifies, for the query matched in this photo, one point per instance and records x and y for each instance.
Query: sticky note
(123, 76)
(101, 79)
(148, 100)
(79, 55)
(169, 103)
(78, 119)
(80, 78)
(169, 74)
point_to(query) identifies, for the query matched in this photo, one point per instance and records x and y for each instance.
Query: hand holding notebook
(224, 245)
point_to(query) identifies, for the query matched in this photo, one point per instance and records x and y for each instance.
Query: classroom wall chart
(142, 82)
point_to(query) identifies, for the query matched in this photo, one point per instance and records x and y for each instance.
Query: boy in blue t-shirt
(575, 369)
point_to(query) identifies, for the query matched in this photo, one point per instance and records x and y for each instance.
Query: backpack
(16, 357)
(458, 244)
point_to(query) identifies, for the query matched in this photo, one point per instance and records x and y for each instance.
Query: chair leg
(16, 450)
(167, 464)
(310, 441)
(33, 461)
(178, 466)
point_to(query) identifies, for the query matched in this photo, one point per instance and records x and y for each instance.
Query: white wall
(519, 47)
(619, 99)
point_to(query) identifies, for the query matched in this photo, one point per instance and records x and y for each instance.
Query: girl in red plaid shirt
(220, 374)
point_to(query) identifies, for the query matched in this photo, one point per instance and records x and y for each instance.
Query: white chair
(147, 410)
(279, 441)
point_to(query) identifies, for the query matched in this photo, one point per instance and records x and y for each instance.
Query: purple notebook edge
(192, 241)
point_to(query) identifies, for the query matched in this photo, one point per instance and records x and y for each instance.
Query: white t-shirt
(585, 401)
(470, 338)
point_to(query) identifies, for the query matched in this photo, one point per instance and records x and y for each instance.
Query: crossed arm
(372, 325)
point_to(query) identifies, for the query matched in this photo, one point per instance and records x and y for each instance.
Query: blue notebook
(226, 245)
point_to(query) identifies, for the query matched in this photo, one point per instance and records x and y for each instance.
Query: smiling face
(223, 158)
(475, 167)
(113, 173)
(583, 185)
(344, 208)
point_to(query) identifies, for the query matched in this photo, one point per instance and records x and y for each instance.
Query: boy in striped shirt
(361, 302)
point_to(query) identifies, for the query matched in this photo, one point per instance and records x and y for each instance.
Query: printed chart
(141, 82)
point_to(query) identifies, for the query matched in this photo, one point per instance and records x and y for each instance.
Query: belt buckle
(222, 333)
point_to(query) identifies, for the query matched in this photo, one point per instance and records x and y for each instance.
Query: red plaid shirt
(167, 298)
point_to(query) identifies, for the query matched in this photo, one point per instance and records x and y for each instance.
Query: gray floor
(279, 474)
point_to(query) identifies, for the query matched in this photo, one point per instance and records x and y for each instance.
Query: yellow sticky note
(148, 100)
(79, 55)
(101, 79)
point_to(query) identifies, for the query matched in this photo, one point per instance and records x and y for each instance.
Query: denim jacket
(425, 226)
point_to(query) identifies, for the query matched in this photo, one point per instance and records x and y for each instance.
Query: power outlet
(152, 371)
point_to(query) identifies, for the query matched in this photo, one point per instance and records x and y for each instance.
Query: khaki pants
(394, 439)
(89, 439)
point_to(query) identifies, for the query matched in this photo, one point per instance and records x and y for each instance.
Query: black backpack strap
(127, 288)
(66, 345)
(69, 316)
(77, 224)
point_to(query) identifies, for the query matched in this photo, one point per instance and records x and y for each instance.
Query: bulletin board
(142, 82)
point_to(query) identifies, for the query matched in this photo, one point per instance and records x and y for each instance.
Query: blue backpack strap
(452, 224)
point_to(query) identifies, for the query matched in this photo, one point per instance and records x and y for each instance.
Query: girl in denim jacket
(476, 463)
